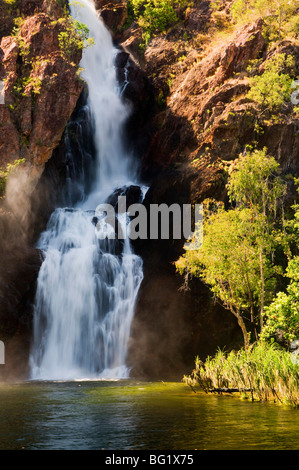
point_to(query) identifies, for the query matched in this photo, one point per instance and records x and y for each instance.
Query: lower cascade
(87, 285)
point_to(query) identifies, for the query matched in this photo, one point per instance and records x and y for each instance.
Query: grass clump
(264, 372)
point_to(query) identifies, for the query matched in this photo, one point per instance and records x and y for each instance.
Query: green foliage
(282, 316)
(63, 3)
(271, 89)
(24, 48)
(74, 38)
(26, 85)
(254, 182)
(280, 16)
(4, 173)
(228, 261)
(161, 100)
(18, 22)
(217, 5)
(237, 257)
(262, 372)
(157, 16)
(154, 16)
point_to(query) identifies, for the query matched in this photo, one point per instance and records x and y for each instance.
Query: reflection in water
(124, 415)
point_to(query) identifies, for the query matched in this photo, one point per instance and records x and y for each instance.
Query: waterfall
(87, 287)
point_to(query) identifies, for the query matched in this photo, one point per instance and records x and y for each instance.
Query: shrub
(154, 16)
(271, 89)
(74, 38)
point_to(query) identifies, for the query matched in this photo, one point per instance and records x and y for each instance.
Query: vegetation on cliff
(273, 87)
(281, 16)
(226, 87)
(154, 16)
(250, 249)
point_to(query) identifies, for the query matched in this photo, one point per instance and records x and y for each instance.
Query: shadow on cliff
(173, 322)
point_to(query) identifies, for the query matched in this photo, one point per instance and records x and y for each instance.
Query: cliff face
(41, 91)
(208, 118)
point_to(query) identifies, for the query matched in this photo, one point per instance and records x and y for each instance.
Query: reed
(263, 372)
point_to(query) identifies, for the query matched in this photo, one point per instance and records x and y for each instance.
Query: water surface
(123, 415)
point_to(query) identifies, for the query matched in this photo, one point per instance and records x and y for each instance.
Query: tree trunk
(244, 331)
(262, 288)
(252, 319)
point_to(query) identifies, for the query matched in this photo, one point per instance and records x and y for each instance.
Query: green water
(136, 415)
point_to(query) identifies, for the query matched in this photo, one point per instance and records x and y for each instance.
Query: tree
(227, 263)
(273, 87)
(236, 259)
(74, 38)
(254, 183)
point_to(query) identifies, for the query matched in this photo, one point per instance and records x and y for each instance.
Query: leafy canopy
(74, 38)
(254, 182)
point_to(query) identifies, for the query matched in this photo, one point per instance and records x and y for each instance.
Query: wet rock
(114, 13)
(138, 92)
(121, 59)
(133, 195)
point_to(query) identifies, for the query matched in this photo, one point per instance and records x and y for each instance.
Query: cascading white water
(86, 288)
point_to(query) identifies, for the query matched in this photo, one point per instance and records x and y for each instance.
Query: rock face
(18, 273)
(9, 143)
(139, 94)
(173, 322)
(204, 96)
(114, 13)
(208, 117)
(172, 326)
(41, 96)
